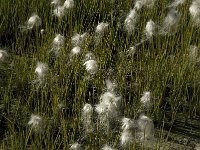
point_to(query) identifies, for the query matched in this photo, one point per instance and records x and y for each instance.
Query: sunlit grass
(161, 65)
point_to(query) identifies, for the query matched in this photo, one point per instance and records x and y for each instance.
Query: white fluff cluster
(131, 50)
(140, 3)
(130, 21)
(87, 114)
(176, 3)
(195, 11)
(55, 2)
(34, 20)
(91, 64)
(146, 128)
(150, 29)
(101, 27)
(3, 55)
(76, 146)
(68, 4)
(75, 51)
(110, 86)
(60, 10)
(127, 133)
(170, 22)
(99, 32)
(106, 147)
(146, 99)
(77, 39)
(41, 70)
(57, 44)
(193, 54)
(108, 108)
(35, 122)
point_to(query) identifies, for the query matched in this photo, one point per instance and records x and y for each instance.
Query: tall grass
(161, 65)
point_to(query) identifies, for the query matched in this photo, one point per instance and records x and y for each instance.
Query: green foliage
(160, 65)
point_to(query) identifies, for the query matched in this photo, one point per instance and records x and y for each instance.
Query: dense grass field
(99, 74)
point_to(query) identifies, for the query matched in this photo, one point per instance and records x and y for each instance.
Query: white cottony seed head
(106, 147)
(110, 86)
(138, 5)
(146, 99)
(3, 55)
(87, 109)
(101, 27)
(68, 4)
(193, 53)
(130, 21)
(34, 20)
(195, 11)
(35, 122)
(126, 138)
(170, 22)
(177, 3)
(91, 66)
(146, 127)
(41, 69)
(127, 124)
(150, 29)
(75, 146)
(58, 40)
(55, 2)
(77, 39)
(75, 51)
(59, 11)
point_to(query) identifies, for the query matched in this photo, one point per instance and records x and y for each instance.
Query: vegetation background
(161, 66)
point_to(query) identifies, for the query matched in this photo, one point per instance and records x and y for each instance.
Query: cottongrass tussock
(100, 30)
(41, 72)
(3, 55)
(127, 135)
(170, 23)
(101, 27)
(131, 50)
(59, 11)
(150, 29)
(87, 118)
(176, 3)
(55, 2)
(76, 146)
(68, 4)
(193, 54)
(106, 147)
(34, 20)
(78, 39)
(146, 128)
(195, 11)
(110, 86)
(75, 51)
(146, 99)
(36, 122)
(90, 63)
(57, 44)
(140, 3)
(108, 109)
(130, 22)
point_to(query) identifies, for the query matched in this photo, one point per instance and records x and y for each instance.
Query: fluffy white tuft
(130, 21)
(35, 122)
(76, 146)
(146, 128)
(195, 11)
(170, 22)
